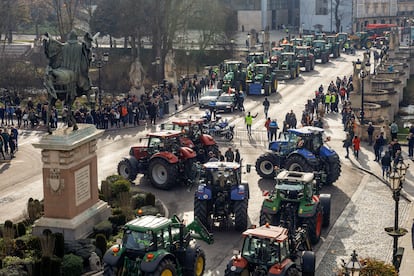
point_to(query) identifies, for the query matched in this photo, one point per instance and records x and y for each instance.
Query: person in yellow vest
(333, 101)
(327, 102)
(249, 121)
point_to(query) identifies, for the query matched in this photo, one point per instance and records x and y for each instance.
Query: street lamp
(353, 266)
(99, 61)
(232, 47)
(362, 75)
(263, 38)
(396, 180)
(248, 42)
(157, 69)
(187, 53)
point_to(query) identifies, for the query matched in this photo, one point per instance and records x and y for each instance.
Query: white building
(320, 15)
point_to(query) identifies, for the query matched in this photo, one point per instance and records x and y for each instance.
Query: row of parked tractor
(260, 74)
(291, 217)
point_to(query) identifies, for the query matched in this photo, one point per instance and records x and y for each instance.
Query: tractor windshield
(137, 240)
(263, 251)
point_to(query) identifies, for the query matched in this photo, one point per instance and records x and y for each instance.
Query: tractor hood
(259, 77)
(229, 76)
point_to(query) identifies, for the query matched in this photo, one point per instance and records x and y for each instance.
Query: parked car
(226, 102)
(209, 98)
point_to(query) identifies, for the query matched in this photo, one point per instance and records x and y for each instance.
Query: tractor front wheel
(162, 174)
(298, 163)
(165, 268)
(201, 211)
(265, 166)
(195, 261)
(293, 271)
(127, 170)
(109, 270)
(325, 200)
(240, 215)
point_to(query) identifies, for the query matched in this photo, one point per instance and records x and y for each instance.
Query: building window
(321, 7)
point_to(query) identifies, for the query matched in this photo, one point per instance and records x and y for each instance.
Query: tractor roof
(288, 54)
(267, 231)
(187, 122)
(233, 62)
(262, 65)
(303, 47)
(145, 223)
(307, 130)
(221, 166)
(165, 134)
(295, 176)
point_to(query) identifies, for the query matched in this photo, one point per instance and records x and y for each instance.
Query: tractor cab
(221, 173)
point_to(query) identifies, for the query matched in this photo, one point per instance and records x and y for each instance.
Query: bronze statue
(66, 76)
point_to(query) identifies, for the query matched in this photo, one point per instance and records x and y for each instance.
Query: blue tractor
(302, 150)
(221, 197)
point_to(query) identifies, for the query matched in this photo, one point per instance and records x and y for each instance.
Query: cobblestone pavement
(370, 210)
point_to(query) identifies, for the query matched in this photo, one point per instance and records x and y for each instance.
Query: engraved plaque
(82, 185)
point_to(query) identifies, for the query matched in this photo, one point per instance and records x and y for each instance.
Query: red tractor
(162, 159)
(193, 137)
(272, 250)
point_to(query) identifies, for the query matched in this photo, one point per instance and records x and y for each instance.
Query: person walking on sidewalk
(370, 131)
(386, 164)
(266, 105)
(356, 142)
(394, 130)
(410, 139)
(347, 143)
(249, 121)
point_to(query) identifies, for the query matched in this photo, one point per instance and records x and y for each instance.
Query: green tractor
(288, 67)
(260, 80)
(320, 50)
(296, 203)
(361, 40)
(308, 40)
(155, 245)
(305, 57)
(234, 75)
(334, 45)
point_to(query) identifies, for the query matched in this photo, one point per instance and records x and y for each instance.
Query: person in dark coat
(152, 112)
(386, 164)
(237, 156)
(370, 131)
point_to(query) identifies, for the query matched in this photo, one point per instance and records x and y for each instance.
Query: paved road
(359, 224)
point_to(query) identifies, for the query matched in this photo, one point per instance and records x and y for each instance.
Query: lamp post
(248, 42)
(99, 61)
(396, 181)
(362, 75)
(263, 39)
(187, 53)
(353, 266)
(157, 69)
(232, 47)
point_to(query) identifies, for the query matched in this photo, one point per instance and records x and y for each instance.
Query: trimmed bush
(104, 228)
(138, 200)
(21, 229)
(72, 265)
(150, 199)
(118, 220)
(119, 186)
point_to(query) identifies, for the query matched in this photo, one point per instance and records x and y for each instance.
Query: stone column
(70, 183)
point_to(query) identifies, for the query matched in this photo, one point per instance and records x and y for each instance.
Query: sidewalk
(369, 211)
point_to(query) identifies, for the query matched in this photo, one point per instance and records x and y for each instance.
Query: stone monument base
(79, 227)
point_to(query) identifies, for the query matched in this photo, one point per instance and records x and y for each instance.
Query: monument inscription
(82, 185)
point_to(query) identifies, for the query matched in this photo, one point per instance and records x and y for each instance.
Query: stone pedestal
(70, 182)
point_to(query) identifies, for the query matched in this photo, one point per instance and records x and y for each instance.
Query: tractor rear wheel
(165, 268)
(325, 200)
(201, 211)
(240, 215)
(162, 174)
(127, 170)
(195, 260)
(333, 169)
(265, 166)
(315, 225)
(229, 136)
(297, 163)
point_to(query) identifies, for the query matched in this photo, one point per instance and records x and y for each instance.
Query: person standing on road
(347, 143)
(237, 156)
(1, 144)
(356, 142)
(249, 121)
(229, 154)
(273, 129)
(393, 130)
(370, 131)
(386, 164)
(266, 105)
(267, 126)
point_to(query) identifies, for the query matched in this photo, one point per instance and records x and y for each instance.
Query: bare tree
(66, 12)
